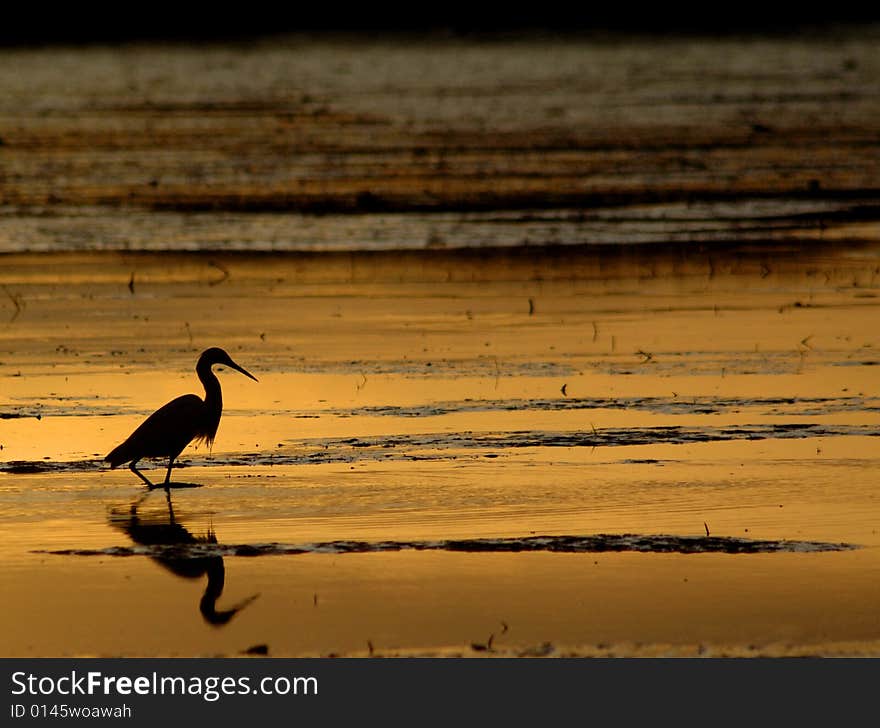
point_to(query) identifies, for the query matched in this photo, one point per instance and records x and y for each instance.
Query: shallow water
(570, 453)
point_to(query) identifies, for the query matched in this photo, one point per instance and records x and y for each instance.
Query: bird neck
(213, 396)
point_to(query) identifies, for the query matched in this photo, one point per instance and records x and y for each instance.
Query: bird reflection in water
(156, 529)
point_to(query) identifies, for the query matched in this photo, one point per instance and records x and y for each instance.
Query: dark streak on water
(597, 543)
(661, 405)
(413, 447)
(806, 406)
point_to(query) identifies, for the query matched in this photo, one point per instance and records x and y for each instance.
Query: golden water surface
(421, 398)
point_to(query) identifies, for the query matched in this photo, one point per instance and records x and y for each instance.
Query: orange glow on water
(476, 414)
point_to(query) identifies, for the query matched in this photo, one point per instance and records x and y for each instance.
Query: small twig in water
(477, 647)
(595, 435)
(16, 301)
(706, 526)
(131, 283)
(564, 387)
(222, 269)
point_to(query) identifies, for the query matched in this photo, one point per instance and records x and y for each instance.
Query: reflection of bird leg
(133, 468)
(170, 508)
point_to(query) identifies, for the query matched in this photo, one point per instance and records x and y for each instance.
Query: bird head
(216, 355)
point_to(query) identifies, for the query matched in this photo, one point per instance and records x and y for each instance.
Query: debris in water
(257, 650)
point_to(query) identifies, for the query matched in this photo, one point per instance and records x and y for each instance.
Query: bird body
(167, 431)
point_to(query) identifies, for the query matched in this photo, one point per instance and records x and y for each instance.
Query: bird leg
(168, 474)
(133, 467)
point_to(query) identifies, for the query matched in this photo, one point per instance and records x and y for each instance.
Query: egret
(171, 428)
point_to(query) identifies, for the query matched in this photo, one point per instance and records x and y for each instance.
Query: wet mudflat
(566, 345)
(316, 142)
(458, 457)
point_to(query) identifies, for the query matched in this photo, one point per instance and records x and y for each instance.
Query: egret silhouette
(171, 428)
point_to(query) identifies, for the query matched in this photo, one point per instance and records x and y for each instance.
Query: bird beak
(237, 368)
